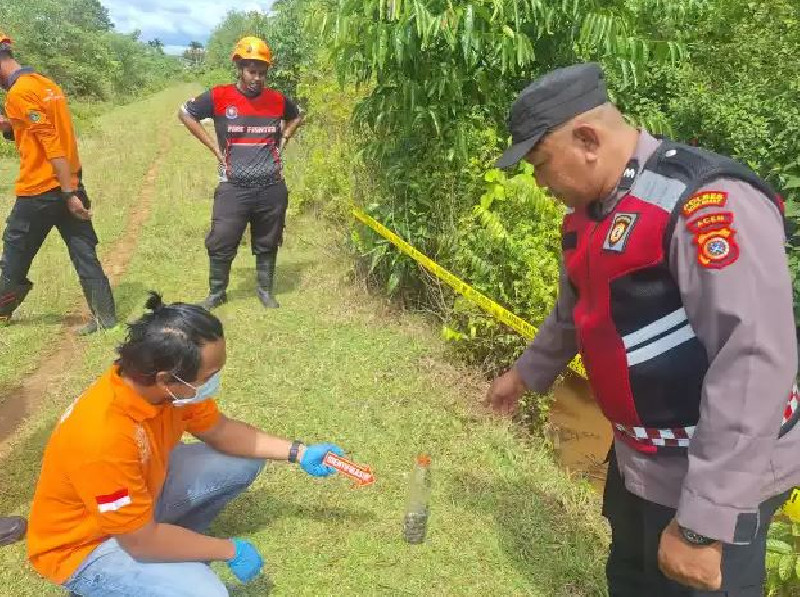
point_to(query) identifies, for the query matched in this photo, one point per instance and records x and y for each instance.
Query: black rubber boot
(265, 270)
(11, 297)
(218, 273)
(101, 302)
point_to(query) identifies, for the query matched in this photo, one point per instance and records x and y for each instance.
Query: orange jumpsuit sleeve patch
(115, 492)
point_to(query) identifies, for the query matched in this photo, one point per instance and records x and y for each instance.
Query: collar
(12, 78)
(129, 401)
(646, 146)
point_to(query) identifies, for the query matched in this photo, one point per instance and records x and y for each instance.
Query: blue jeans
(200, 482)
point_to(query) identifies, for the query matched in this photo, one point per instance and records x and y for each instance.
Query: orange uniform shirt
(103, 471)
(42, 126)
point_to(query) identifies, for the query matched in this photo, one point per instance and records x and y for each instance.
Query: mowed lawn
(333, 364)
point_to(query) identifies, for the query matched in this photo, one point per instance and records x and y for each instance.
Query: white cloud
(176, 22)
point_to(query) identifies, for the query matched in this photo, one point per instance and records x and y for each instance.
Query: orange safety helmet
(252, 48)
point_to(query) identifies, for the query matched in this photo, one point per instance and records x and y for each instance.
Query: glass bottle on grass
(415, 523)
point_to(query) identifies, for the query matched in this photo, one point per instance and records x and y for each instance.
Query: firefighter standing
(676, 292)
(253, 124)
(49, 192)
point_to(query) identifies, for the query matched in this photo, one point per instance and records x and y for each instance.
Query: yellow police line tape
(516, 323)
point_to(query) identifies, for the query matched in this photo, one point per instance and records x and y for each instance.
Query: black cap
(550, 101)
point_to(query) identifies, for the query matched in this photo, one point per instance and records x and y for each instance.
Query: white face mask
(201, 394)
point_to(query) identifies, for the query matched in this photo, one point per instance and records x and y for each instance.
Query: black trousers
(636, 527)
(264, 208)
(31, 220)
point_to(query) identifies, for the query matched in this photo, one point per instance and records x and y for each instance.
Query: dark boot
(11, 297)
(265, 270)
(218, 273)
(101, 302)
(12, 529)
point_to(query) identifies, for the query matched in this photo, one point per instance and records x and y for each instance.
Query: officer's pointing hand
(505, 392)
(699, 567)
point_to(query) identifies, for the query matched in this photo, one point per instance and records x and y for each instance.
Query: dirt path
(23, 400)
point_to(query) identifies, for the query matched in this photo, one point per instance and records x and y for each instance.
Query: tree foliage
(433, 62)
(74, 42)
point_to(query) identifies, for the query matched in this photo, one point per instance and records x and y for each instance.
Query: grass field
(332, 364)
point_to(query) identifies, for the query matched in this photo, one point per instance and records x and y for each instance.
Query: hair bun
(154, 302)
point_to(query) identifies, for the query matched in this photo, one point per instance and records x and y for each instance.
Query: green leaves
(783, 558)
(432, 62)
(73, 42)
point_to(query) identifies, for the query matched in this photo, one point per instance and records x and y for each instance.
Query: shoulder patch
(704, 199)
(715, 239)
(718, 219)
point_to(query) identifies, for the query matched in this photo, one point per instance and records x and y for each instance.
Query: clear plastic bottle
(415, 523)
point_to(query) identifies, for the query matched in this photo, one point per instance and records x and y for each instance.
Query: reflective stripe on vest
(681, 436)
(638, 350)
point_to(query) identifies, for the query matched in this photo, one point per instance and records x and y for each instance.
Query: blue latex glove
(312, 459)
(247, 562)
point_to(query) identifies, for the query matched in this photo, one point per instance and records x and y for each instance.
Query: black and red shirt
(248, 131)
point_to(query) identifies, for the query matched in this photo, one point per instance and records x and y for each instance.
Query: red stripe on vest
(591, 268)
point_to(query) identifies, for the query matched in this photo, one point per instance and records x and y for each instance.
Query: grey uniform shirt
(742, 314)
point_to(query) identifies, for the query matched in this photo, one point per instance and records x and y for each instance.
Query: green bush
(509, 243)
(783, 559)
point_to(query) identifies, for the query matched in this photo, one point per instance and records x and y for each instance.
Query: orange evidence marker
(362, 475)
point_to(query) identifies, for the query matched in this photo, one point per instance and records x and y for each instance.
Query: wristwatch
(695, 538)
(294, 449)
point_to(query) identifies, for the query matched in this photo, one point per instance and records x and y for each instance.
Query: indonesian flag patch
(113, 501)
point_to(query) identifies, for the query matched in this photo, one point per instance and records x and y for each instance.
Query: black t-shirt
(248, 131)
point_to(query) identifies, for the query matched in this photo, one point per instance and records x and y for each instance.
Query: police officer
(253, 124)
(676, 292)
(49, 191)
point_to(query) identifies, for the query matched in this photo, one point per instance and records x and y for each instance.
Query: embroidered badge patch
(717, 248)
(620, 232)
(715, 239)
(719, 219)
(704, 199)
(231, 112)
(34, 116)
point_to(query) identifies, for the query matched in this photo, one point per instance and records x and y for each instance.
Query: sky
(175, 22)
